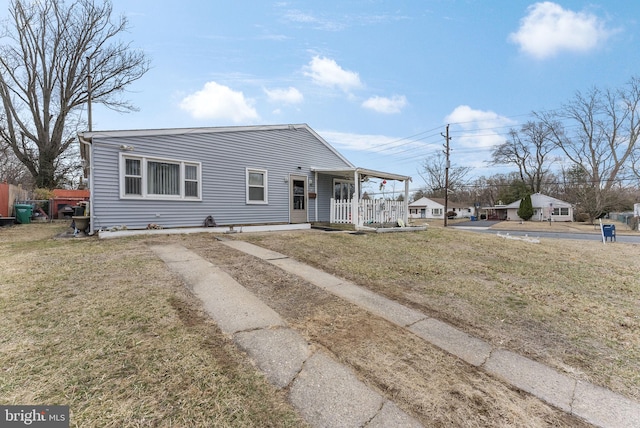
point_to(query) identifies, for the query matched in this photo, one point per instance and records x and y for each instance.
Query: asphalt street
(483, 227)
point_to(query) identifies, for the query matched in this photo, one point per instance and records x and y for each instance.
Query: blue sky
(377, 79)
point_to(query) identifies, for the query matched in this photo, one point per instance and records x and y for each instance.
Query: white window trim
(143, 166)
(185, 180)
(266, 186)
(124, 175)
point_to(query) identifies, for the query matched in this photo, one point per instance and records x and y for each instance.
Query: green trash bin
(23, 213)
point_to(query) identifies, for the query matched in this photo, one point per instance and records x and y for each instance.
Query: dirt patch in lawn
(425, 381)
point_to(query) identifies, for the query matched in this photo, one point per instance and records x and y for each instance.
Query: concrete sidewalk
(596, 405)
(325, 392)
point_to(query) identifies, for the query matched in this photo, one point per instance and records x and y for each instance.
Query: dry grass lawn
(102, 326)
(433, 386)
(574, 305)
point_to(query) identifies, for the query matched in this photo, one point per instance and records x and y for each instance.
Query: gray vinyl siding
(325, 193)
(224, 157)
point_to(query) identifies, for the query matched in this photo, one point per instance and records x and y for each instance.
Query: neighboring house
(245, 175)
(545, 208)
(495, 212)
(434, 208)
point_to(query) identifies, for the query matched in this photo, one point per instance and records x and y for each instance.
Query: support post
(355, 212)
(406, 202)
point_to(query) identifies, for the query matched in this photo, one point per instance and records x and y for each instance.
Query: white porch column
(406, 202)
(315, 189)
(355, 199)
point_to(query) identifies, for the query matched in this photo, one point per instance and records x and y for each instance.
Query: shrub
(525, 211)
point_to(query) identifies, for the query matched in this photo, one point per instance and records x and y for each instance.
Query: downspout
(90, 166)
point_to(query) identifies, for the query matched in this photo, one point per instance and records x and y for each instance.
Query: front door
(298, 199)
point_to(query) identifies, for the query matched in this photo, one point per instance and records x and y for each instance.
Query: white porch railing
(368, 211)
(341, 211)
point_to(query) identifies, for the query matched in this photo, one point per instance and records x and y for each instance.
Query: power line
(411, 139)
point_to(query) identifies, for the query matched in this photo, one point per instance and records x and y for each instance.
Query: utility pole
(446, 175)
(89, 92)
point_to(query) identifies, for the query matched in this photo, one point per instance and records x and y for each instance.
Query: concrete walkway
(327, 393)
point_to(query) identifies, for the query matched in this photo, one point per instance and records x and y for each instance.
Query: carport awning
(364, 172)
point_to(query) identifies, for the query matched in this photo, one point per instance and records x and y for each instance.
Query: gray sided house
(545, 208)
(246, 175)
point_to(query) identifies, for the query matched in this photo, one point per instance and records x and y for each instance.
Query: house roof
(87, 137)
(538, 200)
(424, 201)
(451, 204)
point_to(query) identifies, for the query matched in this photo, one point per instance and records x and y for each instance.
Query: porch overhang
(355, 210)
(362, 172)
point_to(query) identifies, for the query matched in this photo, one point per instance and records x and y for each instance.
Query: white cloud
(328, 21)
(326, 72)
(301, 17)
(478, 128)
(274, 37)
(287, 96)
(548, 29)
(308, 20)
(391, 105)
(216, 101)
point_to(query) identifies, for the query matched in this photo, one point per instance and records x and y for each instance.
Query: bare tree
(44, 55)
(635, 164)
(530, 149)
(486, 193)
(579, 190)
(11, 170)
(599, 138)
(433, 173)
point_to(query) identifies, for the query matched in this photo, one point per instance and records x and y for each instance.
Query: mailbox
(609, 231)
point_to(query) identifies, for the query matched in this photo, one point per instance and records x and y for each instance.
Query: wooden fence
(8, 195)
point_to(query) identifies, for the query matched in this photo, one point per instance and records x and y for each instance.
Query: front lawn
(105, 328)
(571, 304)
